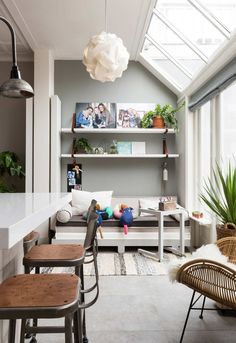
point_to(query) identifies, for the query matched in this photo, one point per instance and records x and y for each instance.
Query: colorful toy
(126, 219)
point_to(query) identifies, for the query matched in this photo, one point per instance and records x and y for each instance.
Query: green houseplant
(82, 146)
(166, 113)
(220, 197)
(9, 166)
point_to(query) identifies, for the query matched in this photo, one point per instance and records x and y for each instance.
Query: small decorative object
(197, 214)
(113, 148)
(124, 148)
(138, 148)
(81, 146)
(220, 197)
(165, 172)
(161, 117)
(9, 166)
(105, 57)
(98, 150)
(167, 205)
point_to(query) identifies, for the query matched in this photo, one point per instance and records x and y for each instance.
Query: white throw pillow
(82, 199)
(148, 204)
(64, 214)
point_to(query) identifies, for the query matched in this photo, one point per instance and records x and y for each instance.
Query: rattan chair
(211, 279)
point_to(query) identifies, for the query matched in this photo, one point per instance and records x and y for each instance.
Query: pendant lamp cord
(105, 15)
(13, 40)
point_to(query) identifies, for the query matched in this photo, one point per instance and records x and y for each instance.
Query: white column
(29, 146)
(55, 144)
(44, 89)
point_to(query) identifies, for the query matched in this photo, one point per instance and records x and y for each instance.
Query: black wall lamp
(15, 87)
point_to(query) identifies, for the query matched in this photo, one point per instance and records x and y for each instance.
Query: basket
(222, 231)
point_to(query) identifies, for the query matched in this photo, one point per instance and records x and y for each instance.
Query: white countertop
(20, 213)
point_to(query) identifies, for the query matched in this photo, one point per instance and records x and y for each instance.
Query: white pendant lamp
(105, 56)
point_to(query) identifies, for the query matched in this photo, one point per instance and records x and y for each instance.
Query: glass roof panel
(175, 46)
(183, 34)
(192, 24)
(223, 10)
(165, 65)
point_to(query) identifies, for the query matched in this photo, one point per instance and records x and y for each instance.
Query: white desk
(20, 213)
(160, 218)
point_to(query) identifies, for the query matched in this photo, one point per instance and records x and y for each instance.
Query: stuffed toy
(126, 219)
(103, 215)
(124, 213)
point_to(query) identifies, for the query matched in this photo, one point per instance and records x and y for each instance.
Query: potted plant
(220, 197)
(82, 146)
(161, 117)
(9, 166)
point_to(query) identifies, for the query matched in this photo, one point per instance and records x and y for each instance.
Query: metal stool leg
(24, 323)
(85, 339)
(186, 320)
(68, 329)
(12, 331)
(78, 327)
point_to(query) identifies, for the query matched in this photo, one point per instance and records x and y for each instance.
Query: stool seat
(49, 255)
(39, 296)
(35, 293)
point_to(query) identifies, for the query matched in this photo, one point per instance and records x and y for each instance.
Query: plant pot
(158, 122)
(222, 231)
(80, 151)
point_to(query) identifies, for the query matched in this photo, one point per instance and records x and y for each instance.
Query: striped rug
(110, 263)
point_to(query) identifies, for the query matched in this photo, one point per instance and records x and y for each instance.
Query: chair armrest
(209, 278)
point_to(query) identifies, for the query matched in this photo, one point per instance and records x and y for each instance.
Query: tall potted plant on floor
(220, 197)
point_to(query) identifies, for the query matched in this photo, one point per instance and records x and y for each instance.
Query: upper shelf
(149, 131)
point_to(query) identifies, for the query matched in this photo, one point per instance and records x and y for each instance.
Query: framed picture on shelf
(95, 115)
(74, 176)
(124, 148)
(129, 115)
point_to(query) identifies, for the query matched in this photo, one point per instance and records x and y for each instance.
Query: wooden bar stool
(42, 296)
(69, 255)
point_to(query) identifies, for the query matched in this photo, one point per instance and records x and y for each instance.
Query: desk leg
(160, 239)
(182, 233)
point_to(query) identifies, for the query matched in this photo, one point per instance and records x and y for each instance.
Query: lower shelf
(119, 156)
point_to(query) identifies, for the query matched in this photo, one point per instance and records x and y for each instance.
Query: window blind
(214, 86)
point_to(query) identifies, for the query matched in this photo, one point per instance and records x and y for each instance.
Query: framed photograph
(129, 115)
(95, 115)
(74, 176)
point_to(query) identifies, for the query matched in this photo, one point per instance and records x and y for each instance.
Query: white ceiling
(65, 26)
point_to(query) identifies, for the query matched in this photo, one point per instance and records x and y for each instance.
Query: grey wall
(12, 117)
(125, 177)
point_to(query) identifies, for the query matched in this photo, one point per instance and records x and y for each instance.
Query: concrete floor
(149, 309)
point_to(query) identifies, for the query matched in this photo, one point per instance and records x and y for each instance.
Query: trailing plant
(9, 165)
(220, 195)
(83, 144)
(167, 112)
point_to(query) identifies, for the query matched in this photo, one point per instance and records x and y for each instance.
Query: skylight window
(183, 34)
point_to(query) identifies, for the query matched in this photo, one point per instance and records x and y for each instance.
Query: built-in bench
(143, 232)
